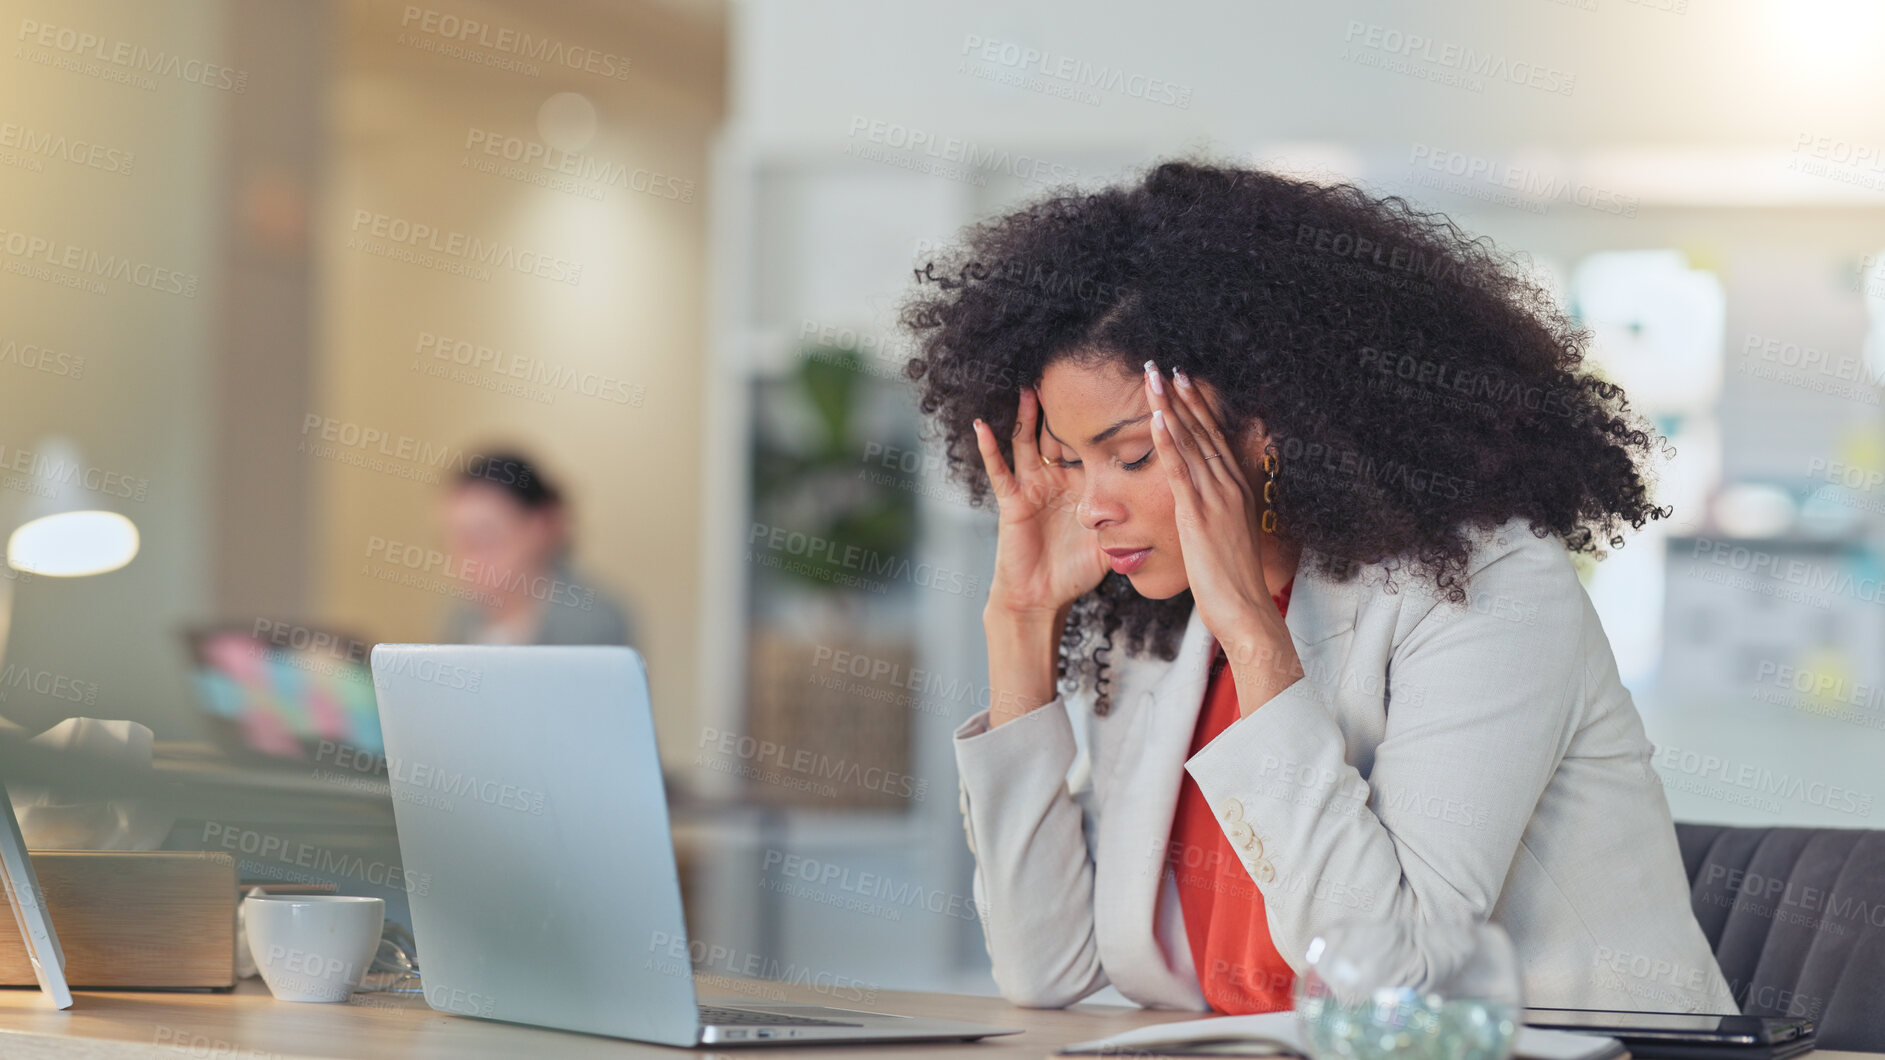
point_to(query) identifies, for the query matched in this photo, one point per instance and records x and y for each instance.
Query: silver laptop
(533, 831)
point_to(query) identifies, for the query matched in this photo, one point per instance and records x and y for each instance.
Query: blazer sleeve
(1033, 870)
(1432, 831)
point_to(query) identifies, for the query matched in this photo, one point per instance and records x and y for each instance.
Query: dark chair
(1796, 917)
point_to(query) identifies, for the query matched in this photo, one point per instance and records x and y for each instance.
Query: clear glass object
(1446, 990)
(395, 967)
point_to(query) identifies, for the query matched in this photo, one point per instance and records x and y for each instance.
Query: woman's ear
(1252, 440)
(1260, 440)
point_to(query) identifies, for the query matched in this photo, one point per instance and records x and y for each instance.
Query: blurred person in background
(508, 529)
(1289, 479)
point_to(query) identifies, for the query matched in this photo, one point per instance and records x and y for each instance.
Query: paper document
(1279, 1034)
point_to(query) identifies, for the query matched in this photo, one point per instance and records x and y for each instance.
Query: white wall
(1747, 73)
(138, 407)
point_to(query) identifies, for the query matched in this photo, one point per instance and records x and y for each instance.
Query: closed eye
(1134, 466)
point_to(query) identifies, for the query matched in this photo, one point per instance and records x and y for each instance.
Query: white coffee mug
(312, 947)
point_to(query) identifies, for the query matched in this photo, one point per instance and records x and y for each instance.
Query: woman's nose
(1098, 507)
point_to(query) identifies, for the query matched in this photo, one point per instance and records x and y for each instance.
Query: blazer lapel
(1148, 768)
(1136, 827)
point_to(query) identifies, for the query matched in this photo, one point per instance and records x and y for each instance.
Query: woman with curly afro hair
(1284, 627)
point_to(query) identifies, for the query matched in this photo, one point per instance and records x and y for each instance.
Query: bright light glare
(1754, 509)
(1842, 33)
(567, 121)
(73, 544)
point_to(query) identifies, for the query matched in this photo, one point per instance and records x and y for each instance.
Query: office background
(660, 245)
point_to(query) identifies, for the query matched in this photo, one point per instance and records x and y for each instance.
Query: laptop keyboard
(715, 1015)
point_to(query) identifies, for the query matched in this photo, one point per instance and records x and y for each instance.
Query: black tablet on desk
(1684, 1034)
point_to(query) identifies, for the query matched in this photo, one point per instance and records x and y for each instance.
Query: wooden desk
(250, 1025)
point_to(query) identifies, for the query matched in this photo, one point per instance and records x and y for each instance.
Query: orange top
(1239, 968)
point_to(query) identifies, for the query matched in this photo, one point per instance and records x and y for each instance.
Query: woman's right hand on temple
(1044, 558)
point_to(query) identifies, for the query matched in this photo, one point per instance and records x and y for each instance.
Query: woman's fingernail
(1158, 418)
(1182, 379)
(1151, 372)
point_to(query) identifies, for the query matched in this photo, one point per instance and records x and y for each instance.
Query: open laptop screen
(283, 696)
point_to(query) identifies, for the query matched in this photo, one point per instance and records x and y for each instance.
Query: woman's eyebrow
(1098, 438)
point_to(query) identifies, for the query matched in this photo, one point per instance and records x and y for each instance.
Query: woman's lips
(1124, 562)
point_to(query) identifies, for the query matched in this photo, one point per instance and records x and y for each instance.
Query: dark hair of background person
(1416, 383)
(516, 475)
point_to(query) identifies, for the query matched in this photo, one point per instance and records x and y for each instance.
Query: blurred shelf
(258, 792)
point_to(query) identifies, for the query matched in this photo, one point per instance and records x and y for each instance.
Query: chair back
(1796, 917)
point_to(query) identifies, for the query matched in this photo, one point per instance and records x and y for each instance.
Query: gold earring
(1269, 493)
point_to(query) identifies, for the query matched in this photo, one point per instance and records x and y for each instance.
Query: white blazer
(1436, 760)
